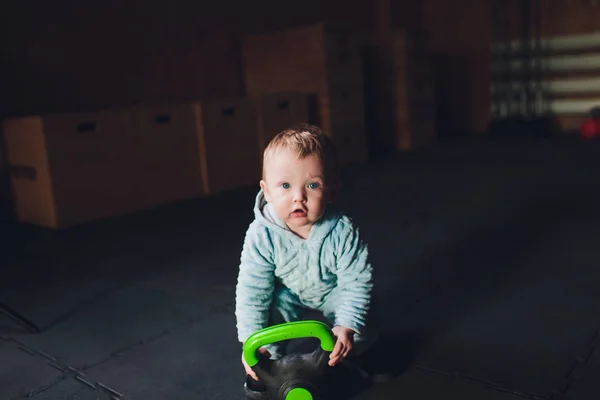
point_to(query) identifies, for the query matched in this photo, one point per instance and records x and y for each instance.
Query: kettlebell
(295, 376)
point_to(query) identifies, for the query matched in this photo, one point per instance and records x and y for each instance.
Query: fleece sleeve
(255, 283)
(354, 279)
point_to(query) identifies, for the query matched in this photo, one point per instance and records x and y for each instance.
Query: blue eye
(314, 185)
(285, 185)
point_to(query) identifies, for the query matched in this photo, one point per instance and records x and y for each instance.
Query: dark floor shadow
(390, 356)
(393, 354)
(473, 268)
(344, 383)
(118, 251)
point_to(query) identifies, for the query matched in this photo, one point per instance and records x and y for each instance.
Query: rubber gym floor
(487, 257)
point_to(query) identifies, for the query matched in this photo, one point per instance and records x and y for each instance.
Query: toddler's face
(297, 189)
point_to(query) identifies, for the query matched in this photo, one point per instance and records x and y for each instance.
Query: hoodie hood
(265, 213)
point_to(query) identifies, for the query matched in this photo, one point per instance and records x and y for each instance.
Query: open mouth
(299, 212)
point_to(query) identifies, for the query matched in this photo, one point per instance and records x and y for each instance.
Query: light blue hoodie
(332, 256)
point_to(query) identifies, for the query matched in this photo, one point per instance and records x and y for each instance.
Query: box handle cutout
(86, 127)
(162, 119)
(229, 111)
(283, 105)
(23, 172)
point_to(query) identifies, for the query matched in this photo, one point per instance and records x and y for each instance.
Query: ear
(265, 189)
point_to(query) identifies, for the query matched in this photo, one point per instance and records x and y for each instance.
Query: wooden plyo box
(228, 137)
(314, 60)
(5, 198)
(70, 168)
(279, 111)
(196, 149)
(168, 153)
(401, 90)
(414, 92)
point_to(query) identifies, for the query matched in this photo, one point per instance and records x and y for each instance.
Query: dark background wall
(69, 56)
(62, 55)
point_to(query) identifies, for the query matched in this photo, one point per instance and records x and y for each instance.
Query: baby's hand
(249, 371)
(343, 344)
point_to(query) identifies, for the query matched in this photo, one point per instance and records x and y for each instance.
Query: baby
(299, 253)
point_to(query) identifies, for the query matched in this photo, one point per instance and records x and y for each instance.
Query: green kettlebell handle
(286, 331)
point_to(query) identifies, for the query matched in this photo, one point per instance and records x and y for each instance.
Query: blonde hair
(306, 140)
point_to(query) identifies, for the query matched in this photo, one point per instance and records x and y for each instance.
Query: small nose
(299, 196)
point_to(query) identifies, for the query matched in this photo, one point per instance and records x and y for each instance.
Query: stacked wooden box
(314, 60)
(229, 132)
(5, 198)
(168, 156)
(279, 111)
(72, 168)
(401, 92)
(61, 164)
(414, 91)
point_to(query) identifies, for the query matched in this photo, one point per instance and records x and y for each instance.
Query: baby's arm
(354, 278)
(254, 290)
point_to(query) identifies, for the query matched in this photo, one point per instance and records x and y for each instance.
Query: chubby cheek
(285, 199)
(317, 201)
(282, 208)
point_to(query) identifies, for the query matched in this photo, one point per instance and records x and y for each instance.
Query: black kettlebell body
(294, 376)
